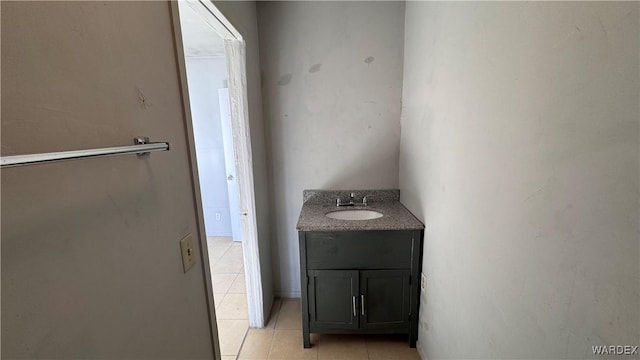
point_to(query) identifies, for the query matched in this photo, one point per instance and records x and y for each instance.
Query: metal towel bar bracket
(142, 147)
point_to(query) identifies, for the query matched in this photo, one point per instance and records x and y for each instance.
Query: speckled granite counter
(317, 203)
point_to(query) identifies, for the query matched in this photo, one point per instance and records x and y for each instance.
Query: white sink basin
(354, 214)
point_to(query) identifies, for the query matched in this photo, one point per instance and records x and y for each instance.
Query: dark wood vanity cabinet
(352, 299)
(360, 282)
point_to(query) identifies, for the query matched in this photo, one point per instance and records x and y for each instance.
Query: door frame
(235, 55)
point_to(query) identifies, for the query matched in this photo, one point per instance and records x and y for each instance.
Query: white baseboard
(288, 295)
(420, 353)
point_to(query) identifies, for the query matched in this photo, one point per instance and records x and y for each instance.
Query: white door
(230, 164)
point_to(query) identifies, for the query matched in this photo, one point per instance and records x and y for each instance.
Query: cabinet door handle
(362, 304)
(353, 301)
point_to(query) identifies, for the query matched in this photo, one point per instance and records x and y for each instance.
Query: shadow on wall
(350, 177)
(91, 209)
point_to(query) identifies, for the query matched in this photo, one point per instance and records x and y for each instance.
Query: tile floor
(282, 337)
(229, 293)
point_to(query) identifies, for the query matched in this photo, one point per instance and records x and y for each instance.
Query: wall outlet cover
(423, 281)
(188, 252)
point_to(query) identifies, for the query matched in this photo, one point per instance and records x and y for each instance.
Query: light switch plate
(188, 253)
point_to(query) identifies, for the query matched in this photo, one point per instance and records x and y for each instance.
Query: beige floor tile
(220, 240)
(239, 285)
(225, 357)
(390, 347)
(314, 339)
(231, 309)
(234, 306)
(256, 344)
(273, 316)
(231, 333)
(342, 347)
(234, 253)
(216, 252)
(222, 282)
(229, 263)
(287, 344)
(225, 267)
(289, 317)
(217, 300)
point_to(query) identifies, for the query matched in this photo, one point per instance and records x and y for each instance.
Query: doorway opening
(212, 60)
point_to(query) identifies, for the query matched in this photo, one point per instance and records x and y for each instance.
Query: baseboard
(288, 295)
(422, 355)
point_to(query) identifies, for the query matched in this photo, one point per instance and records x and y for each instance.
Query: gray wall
(205, 76)
(91, 266)
(242, 14)
(520, 151)
(332, 77)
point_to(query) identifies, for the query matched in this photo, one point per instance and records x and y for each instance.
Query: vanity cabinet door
(333, 299)
(385, 299)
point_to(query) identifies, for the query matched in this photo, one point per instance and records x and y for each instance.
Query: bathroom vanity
(359, 275)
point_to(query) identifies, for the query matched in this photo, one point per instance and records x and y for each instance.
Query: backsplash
(330, 196)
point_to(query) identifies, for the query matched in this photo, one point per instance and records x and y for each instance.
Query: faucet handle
(364, 199)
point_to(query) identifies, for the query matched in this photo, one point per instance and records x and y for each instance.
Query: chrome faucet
(350, 203)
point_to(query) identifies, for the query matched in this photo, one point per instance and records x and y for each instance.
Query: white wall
(332, 77)
(520, 151)
(242, 14)
(205, 76)
(91, 266)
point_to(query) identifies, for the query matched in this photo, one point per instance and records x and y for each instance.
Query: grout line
(271, 344)
(277, 312)
(244, 338)
(233, 282)
(212, 264)
(219, 304)
(277, 317)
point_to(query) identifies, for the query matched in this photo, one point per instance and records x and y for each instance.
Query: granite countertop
(317, 203)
